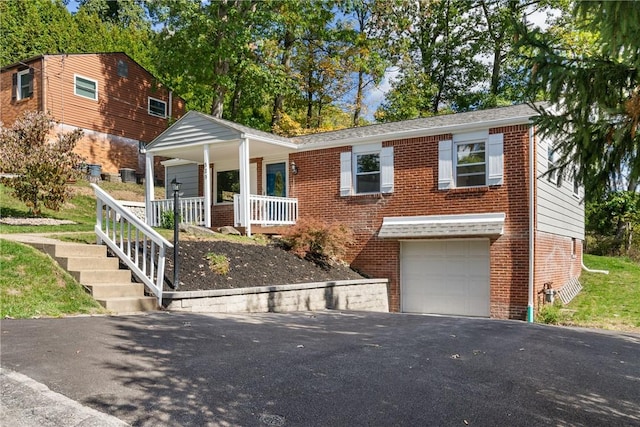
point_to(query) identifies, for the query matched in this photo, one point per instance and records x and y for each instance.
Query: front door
(277, 179)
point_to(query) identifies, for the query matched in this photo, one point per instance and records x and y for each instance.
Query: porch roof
(467, 225)
(185, 139)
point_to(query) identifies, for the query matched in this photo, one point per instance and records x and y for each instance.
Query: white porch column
(206, 183)
(244, 184)
(148, 186)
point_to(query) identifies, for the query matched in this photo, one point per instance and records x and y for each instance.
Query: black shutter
(14, 87)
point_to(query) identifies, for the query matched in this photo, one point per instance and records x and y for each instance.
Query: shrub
(218, 263)
(166, 220)
(43, 165)
(318, 241)
(550, 313)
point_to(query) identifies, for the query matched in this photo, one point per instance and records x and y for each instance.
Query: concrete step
(116, 290)
(129, 304)
(86, 263)
(69, 250)
(89, 277)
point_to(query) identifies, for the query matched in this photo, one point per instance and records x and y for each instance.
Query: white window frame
(348, 169)
(151, 113)
(456, 144)
(19, 94)
(75, 86)
(356, 174)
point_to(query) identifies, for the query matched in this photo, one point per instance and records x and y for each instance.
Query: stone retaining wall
(364, 294)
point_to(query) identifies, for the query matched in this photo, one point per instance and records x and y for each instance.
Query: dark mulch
(249, 265)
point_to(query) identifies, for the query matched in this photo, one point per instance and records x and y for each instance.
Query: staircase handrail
(114, 222)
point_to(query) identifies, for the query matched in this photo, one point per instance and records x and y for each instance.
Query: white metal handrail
(191, 211)
(137, 244)
(267, 210)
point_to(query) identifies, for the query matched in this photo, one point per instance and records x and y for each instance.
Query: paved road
(330, 369)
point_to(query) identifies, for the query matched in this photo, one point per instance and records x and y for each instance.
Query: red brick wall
(11, 109)
(555, 261)
(416, 179)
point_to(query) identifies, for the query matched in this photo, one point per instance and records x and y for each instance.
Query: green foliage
(218, 263)
(594, 91)
(318, 241)
(167, 219)
(43, 167)
(32, 285)
(549, 313)
(612, 222)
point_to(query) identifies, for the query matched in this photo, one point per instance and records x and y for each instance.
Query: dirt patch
(249, 265)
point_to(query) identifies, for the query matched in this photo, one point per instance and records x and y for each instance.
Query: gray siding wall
(559, 210)
(187, 175)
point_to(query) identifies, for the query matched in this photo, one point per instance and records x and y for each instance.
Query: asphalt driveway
(330, 369)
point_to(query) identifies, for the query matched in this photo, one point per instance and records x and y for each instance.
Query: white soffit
(468, 225)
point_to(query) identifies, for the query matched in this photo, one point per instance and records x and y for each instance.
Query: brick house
(456, 211)
(118, 104)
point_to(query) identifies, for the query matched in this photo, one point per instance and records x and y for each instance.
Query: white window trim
(486, 162)
(348, 169)
(354, 164)
(19, 95)
(75, 86)
(149, 99)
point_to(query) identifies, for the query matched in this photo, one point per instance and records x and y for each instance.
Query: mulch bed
(249, 265)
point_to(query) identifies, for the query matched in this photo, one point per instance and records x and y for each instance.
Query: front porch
(232, 175)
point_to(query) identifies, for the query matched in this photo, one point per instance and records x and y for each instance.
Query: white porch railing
(267, 210)
(138, 245)
(191, 210)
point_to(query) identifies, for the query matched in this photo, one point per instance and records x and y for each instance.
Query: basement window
(157, 108)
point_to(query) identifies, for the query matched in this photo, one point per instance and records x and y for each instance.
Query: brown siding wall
(121, 109)
(416, 193)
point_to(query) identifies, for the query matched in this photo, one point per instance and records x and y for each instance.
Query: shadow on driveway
(331, 368)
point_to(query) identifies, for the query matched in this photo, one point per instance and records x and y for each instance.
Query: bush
(318, 241)
(550, 313)
(43, 165)
(166, 220)
(218, 263)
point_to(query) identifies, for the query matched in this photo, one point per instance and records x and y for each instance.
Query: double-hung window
(24, 84)
(367, 173)
(471, 164)
(86, 87)
(367, 169)
(473, 159)
(157, 108)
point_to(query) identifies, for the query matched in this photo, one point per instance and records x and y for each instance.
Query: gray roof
(515, 112)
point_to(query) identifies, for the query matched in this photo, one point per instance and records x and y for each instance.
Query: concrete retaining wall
(365, 295)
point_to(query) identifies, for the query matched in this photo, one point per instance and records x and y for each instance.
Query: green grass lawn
(607, 301)
(33, 285)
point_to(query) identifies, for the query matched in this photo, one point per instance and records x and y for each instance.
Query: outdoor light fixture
(294, 168)
(176, 220)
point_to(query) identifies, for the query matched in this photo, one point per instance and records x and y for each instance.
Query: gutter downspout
(588, 270)
(532, 211)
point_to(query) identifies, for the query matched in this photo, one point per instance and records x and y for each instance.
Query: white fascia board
(445, 219)
(390, 136)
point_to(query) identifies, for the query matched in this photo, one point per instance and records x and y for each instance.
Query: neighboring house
(118, 104)
(455, 210)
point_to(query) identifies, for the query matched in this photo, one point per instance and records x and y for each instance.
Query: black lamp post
(176, 221)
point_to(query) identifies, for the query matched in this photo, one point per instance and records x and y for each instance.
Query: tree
(595, 93)
(43, 166)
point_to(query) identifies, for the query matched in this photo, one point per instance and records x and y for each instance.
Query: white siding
(185, 174)
(559, 211)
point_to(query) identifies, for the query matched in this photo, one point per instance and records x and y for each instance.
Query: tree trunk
(358, 104)
(278, 102)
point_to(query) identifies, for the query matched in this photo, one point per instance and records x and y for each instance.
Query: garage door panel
(445, 277)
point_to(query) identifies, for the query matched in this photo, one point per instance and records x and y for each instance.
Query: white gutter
(532, 212)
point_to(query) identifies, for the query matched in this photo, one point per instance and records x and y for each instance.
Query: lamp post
(176, 220)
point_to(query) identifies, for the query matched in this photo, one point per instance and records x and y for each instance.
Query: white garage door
(445, 277)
